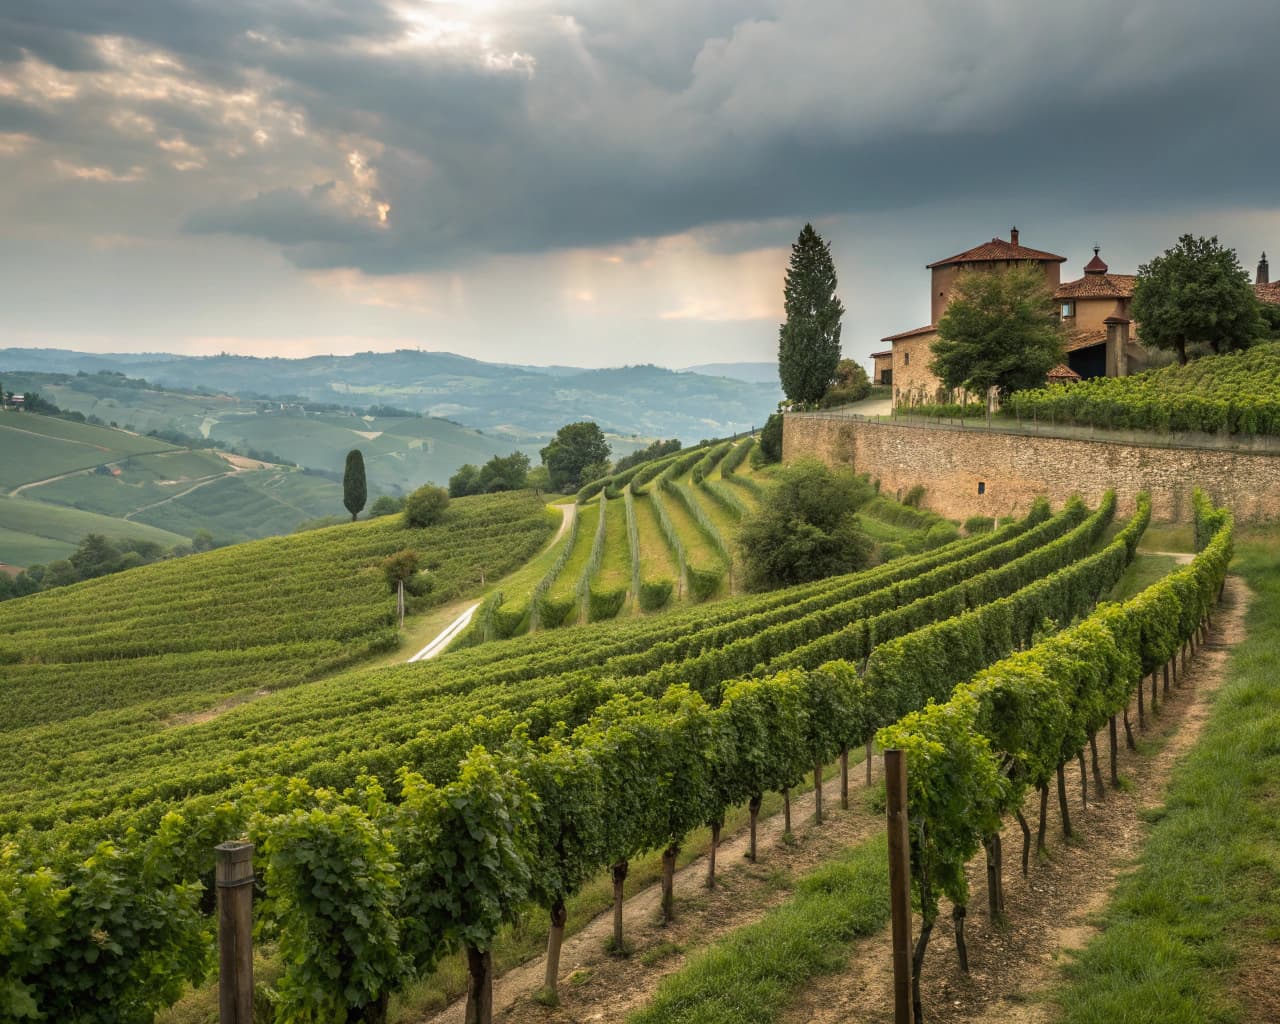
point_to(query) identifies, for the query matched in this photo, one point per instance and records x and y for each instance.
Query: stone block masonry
(979, 472)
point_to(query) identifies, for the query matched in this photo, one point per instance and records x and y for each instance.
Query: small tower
(1096, 265)
(1264, 271)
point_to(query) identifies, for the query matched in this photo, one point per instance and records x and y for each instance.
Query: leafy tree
(503, 473)
(575, 447)
(355, 491)
(1270, 320)
(385, 505)
(851, 385)
(805, 528)
(809, 342)
(539, 479)
(400, 567)
(203, 540)
(999, 331)
(426, 505)
(1196, 292)
(771, 438)
(465, 481)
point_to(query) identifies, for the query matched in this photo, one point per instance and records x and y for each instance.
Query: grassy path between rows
(1193, 934)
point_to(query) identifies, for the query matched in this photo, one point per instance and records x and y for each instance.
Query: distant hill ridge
(522, 403)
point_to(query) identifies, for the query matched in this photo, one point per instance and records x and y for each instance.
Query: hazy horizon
(594, 184)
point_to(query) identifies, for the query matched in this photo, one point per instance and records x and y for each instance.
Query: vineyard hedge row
(1233, 394)
(364, 890)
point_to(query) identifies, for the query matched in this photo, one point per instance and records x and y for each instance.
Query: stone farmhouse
(1102, 339)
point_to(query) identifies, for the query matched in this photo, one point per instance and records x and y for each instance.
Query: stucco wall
(1016, 468)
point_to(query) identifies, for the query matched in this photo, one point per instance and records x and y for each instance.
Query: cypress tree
(809, 342)
(354, 489)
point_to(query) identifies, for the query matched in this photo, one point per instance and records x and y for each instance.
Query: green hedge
(606, 604)
(654, 594)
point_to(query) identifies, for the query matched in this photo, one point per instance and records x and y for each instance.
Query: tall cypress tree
(354, 489)
(809, 342)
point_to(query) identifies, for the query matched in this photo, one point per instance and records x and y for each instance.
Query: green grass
(38, 447)
(1204, 901)
(697, 549)
(751, 975)
(32, 532)
(615, 568)
(1168, 537)
(566, 583)
(657, 561)
(249, 505)
(1143, 571)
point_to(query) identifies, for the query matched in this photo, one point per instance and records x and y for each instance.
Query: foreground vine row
(454, 805)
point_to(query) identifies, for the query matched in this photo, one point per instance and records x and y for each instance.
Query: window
(982, 487)
(906, 358)
(1068, 309)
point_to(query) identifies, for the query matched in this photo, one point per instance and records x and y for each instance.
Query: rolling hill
(520, 404)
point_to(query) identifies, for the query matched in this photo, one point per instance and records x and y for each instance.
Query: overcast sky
(595, 182)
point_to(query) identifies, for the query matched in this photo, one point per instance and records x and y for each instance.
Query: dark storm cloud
(539, 127)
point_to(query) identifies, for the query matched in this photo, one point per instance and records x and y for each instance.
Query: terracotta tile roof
(1095, 265)
(1268, 293)
(1062, 372)
(999, 249)
(926, 329)
(1098, 286)
(1083, 339)
(882, 355)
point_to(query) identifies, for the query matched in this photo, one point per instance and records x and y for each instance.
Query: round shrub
(426, 506)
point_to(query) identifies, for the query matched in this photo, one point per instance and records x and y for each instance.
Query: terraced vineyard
(1233, 394)
(668, 538)
(127, 654)
(611, 726)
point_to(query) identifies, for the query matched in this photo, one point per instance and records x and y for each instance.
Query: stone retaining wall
(978, 472)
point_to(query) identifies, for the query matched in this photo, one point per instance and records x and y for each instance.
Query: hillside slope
(519, 403)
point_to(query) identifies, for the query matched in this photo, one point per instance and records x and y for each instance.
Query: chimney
(1264, 271)
(1013, 235)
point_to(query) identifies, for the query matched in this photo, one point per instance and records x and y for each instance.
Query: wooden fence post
(234, 883)
(895, 769)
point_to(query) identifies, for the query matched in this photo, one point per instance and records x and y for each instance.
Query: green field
(615, 566)
(39, 447)
(400, 453)
(32, 532)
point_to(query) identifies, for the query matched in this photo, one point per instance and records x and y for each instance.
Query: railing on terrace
(1261, 444)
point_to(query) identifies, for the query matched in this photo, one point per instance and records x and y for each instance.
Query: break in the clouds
(424, 157)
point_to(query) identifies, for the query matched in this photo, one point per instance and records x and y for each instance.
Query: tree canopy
(1000, 330)
(1196, 292)
(500, 473)
(805, 528)
(426, 506)
(355, 490)
(577, 450)
(809, 341)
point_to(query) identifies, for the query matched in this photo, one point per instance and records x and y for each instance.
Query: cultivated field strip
(190, 632)
(380, 717)
(634, 772)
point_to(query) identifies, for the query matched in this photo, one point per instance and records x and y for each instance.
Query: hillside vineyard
(390, 775)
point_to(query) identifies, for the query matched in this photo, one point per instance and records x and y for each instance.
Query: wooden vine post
(234, 882)
(895, 769)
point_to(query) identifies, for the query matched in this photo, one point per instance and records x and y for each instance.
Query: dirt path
(570, 514)
(1013, 967)
(598, 988)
